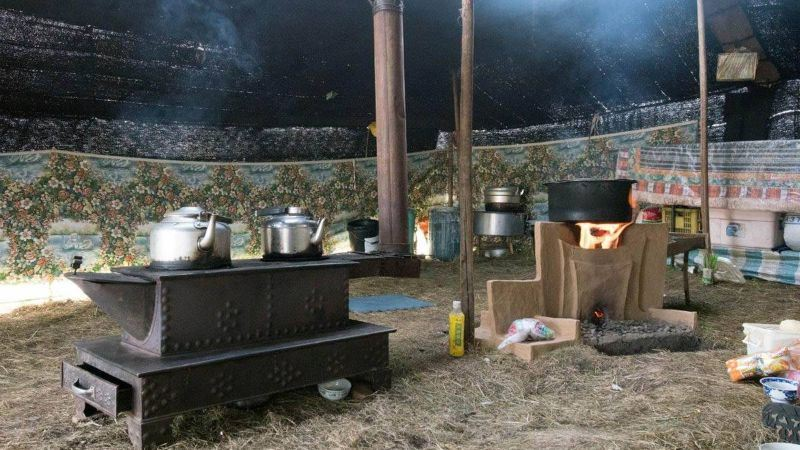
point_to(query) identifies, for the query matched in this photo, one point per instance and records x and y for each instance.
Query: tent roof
(309, 63)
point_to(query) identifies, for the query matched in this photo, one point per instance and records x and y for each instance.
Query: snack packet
(522, 329)
(758, 365)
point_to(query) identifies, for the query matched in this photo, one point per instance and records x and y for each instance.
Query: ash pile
(628, 337)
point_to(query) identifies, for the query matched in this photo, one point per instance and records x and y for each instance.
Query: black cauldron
(598, 201)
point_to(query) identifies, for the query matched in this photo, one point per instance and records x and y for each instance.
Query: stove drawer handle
(83, 392)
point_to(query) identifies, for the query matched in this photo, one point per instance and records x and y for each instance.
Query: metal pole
(465, 169)
(703, 125)
(390, 117)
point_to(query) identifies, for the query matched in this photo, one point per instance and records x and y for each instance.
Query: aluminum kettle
(292, 234)
(190, 238)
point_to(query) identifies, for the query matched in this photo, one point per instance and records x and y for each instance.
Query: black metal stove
(198, 338)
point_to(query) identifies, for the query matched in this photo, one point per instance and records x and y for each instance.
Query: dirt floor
(483, 400)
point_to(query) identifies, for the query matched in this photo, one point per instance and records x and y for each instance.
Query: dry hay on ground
(484, 400)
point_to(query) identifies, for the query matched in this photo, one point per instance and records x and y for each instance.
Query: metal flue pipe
(390, 117)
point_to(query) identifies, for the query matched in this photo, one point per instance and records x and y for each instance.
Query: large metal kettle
(190, 238)
(294, 233)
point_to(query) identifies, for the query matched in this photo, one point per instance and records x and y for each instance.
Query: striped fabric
(782, 267)
(756, 175)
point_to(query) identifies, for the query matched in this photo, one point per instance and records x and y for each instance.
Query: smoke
(611, 54)
(206, 22)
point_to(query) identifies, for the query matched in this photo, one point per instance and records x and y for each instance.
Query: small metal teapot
(190, 238)
(291, 234)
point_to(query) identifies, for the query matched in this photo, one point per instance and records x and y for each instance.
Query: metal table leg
(685, 271)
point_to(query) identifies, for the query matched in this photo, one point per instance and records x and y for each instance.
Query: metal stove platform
(198, 338)
(112, 377)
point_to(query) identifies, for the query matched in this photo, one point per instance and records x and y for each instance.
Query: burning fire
(601, 235)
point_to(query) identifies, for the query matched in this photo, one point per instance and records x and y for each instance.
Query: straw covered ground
(484, 400)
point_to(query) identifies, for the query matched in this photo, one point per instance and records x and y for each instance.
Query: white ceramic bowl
(778, 446)
(779, 389)
(335, 390)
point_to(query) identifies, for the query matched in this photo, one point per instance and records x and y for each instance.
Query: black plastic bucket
(359, 230)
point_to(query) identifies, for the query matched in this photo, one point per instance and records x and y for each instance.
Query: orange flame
(601, 235)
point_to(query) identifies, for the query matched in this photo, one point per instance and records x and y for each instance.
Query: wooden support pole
(390, 117)
(453, 146)
(465, 169)
(703, 125)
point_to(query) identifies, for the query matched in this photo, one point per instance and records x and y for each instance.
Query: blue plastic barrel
(445, 233)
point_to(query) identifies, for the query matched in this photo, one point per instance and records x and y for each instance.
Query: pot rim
(592, 180)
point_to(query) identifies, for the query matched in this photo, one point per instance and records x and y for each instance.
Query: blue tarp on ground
(387, 302)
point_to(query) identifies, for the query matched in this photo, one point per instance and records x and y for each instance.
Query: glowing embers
(599, 316)
(600, 235)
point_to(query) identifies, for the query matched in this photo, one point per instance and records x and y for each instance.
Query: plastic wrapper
(758, 365)
(526, 329)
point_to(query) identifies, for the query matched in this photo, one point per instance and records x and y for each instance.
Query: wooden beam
(465, 169)
(732, 28)
(703, 125)
(453, 146)
(390, 117)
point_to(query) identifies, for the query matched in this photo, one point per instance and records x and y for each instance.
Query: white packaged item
(745, 229)
(371, 244)
(524, 329)
(764, 337)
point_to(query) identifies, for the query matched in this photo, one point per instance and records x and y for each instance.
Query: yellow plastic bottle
(456, 330)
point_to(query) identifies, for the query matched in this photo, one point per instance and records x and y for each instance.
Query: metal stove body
(194, 339)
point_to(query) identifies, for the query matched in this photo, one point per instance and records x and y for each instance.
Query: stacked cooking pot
(504, 199)
(192, 238)
(503, 214)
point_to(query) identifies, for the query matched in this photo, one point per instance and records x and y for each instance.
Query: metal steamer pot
(598, 201)
(190, 238)
(291, 234)
(503, 199)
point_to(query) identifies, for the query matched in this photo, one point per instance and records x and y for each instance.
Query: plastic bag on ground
(727, 271)
(758, 365)
(524, 329)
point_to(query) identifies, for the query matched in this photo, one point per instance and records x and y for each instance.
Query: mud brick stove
(197, 338)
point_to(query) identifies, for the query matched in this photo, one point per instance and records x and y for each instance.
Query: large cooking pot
(190, 238)
(291, 234)
(503, 199)
(598, 201)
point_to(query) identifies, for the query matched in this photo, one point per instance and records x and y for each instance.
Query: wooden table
(684, 243)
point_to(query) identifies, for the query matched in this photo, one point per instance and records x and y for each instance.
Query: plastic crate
(687, 220)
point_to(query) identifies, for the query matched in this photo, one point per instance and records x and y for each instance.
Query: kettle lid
(186, 212)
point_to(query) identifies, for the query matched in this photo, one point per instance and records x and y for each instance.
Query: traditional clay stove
(197, 338)
(585, 266)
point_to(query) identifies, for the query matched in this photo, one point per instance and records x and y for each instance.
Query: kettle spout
(206, 243)
(316, 238)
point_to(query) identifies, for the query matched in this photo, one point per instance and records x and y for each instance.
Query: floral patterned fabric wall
(54, 205)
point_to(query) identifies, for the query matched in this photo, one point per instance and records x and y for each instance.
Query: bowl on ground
(778, 446)
(335, 389)
(780, 390)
